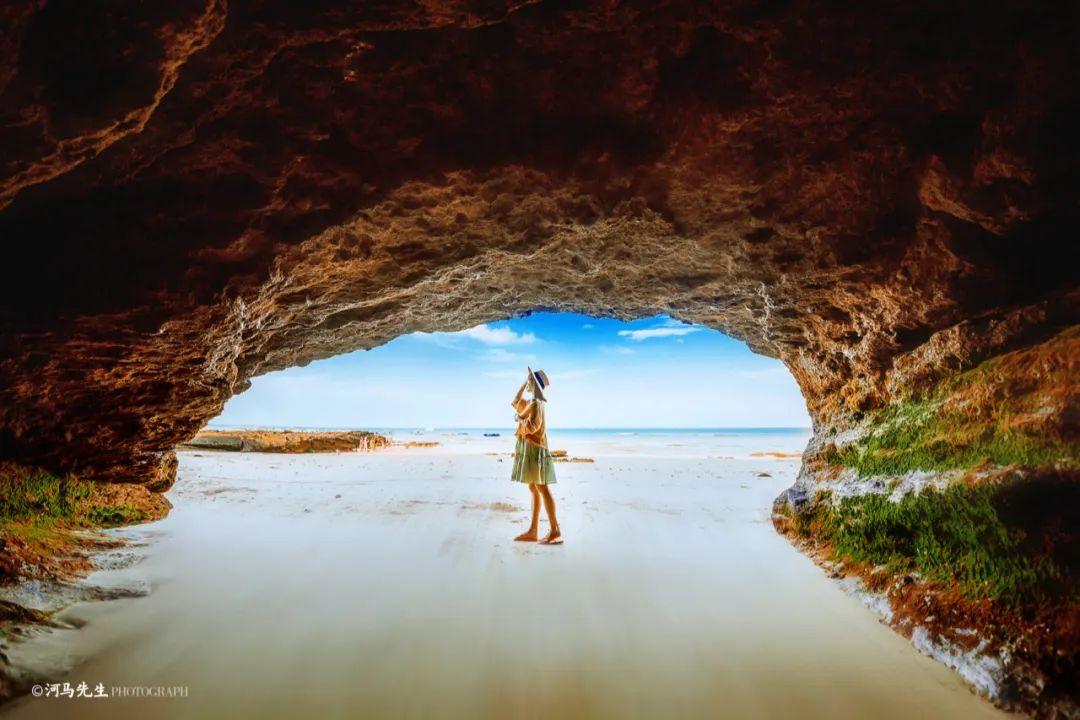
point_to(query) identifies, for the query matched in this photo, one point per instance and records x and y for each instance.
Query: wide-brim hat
(541, 379)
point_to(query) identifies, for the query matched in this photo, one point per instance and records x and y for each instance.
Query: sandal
(549, 540)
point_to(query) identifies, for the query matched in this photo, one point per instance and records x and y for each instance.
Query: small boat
(491, 434)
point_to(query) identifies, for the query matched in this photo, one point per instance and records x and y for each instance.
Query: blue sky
(653, 372)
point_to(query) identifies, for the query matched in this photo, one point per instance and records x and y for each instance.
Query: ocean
(705, 443)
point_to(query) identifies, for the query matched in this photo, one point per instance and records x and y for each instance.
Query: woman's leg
(530, 534)
(554, 535)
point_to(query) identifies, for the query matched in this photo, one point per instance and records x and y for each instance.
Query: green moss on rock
(114, 516)
(924, 436)
(41, 496)
(40, 511)
(1013, 544)
(1011, 410)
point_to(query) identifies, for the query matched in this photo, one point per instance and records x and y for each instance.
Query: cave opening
(653, 389)
(651, 373)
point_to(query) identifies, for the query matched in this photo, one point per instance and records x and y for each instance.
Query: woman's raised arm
(518, 402)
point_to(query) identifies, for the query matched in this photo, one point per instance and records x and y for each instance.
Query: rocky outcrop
(287, 441)
(954, 511)
(882, 196)
(199, 194)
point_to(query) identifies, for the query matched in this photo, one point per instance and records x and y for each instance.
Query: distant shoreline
(507, 428)
(285, 441)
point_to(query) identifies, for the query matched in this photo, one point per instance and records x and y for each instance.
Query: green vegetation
(921, 435)
(1011, 409)
(1013, 543)
(39, 512)
(39, 496)
(115, 515)
(988, 541)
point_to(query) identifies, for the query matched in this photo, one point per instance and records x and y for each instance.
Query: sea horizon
(508, 428)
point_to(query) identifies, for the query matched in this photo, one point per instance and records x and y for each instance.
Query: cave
(880, 196)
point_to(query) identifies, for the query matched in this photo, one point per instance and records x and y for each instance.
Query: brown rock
(139, 499)
(191, 201)
(287, 441)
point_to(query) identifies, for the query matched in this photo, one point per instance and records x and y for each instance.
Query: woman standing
(532, 460)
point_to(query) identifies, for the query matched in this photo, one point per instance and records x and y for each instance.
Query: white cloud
(503, 355)
(485, 334)
(587, 326)
(490, 335)
(658, 332)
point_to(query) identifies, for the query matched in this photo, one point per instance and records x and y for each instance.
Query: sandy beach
(386, 584)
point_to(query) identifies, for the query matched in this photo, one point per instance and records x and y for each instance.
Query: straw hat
(540, 379)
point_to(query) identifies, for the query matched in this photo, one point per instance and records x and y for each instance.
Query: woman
(532, 460)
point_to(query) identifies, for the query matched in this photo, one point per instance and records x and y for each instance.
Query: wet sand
(387, 585)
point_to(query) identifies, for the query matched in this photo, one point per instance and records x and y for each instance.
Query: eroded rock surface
(198, 193)
(194, 193)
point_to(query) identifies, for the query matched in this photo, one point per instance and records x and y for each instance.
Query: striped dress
(532, 459)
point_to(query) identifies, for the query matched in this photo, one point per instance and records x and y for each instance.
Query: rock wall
(197, 194)
(194, 193)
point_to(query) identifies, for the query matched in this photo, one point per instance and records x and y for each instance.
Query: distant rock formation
(286, 441)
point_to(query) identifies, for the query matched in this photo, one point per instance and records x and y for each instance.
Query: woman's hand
(519, 393)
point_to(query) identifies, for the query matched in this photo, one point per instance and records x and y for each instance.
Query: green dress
(532, 464)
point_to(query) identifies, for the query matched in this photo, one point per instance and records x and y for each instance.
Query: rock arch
(882, 197)
(197, 195)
